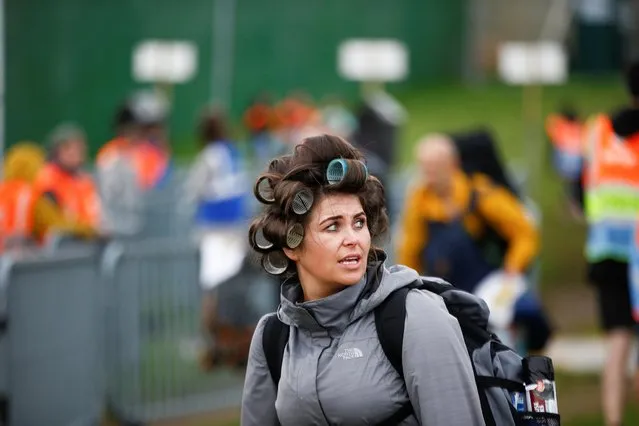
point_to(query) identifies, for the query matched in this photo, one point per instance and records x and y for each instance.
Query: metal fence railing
(153, 333)
(119, 328)
(52, 347)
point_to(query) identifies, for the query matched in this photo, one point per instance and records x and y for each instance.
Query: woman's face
(335, 248)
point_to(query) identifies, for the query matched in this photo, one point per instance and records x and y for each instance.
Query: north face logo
(350, 353)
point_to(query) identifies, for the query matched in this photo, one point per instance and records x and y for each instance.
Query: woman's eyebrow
(338, 217)
(331, 218)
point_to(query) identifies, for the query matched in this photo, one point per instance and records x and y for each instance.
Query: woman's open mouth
(351, 260)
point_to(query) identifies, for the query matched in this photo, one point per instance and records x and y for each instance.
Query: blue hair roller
(337, 169)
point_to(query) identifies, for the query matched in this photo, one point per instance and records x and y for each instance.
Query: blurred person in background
(379, 117)
(217, 186)
(451, 221)
(260, 120)
(296, 115)
(117, 175)
(26, 217)
(611, 210)
(133, 163)
(141, 139)
(336, 118)
(566, 134)
(63, 180)
(258, 117)
(153, 157)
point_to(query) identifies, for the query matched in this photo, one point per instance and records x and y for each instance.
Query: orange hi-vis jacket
(75, 194)
(148, 161)
(17, 201)
(567, 137)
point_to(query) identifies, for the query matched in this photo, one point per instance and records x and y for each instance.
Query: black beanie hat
(633, 79)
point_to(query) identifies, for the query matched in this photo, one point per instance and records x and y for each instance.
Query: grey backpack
(498, 368)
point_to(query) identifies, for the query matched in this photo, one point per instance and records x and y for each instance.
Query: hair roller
(263, 190)
(275, 262)
(294, 235)
(339, 169)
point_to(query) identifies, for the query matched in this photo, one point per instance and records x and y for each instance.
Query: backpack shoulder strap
(274, 340)
(390, 317)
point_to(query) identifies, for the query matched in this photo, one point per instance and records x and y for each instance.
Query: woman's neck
(312, 289)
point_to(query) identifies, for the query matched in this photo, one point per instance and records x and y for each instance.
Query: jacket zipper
(319, 402)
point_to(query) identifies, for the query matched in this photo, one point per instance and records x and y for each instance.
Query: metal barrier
(153, 334)
(52, 352)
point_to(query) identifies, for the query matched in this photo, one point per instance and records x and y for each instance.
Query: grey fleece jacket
(334, 371)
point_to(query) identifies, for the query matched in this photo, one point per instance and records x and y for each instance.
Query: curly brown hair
(305, 171)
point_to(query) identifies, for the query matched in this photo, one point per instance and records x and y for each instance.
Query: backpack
(497, 368)
(478, 153)
(491, 243)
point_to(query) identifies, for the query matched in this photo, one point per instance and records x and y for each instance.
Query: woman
(317, 230)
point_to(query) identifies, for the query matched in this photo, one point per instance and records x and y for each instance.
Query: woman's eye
(360, 223)
(332, 227)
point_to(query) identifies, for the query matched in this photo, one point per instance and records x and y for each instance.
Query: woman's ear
(292, 254)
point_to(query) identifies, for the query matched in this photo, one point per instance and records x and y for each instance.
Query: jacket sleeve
(508, 217)
(48, 217)
(258, 398)
(413, 233)
(437, 371)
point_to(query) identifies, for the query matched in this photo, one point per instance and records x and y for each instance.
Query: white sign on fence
(164, 61)
(528, 63)
(379, 60)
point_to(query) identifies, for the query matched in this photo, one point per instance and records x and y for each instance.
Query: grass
(454, 107)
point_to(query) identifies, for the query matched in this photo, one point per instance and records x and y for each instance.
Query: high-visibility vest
(149, 162)
(612, 192)
(17, 203)
(567, 140)
(75, 194)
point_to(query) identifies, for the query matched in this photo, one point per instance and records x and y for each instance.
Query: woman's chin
(350, 279)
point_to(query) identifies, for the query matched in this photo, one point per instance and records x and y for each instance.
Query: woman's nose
(351, 237)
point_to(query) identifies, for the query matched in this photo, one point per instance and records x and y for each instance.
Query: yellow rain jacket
(496, 208)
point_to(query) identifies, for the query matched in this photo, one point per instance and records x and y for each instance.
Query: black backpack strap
(473, 201)
(390, 319)
(498, 382)
(274, 340)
